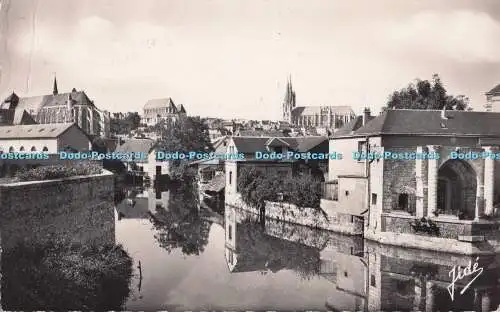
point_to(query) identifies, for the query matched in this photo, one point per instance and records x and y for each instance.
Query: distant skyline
(232, 58)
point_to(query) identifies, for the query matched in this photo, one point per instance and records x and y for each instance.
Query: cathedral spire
(289, 101)
(54, 91)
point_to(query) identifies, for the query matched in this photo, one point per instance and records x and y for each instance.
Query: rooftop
(160, 103)
(34, 131)
(317, 110)
(250, 145)
(135, 146)
(426, 123)
(494, 91)
(35, 103)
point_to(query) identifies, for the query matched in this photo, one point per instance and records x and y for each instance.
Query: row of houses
(392, 196)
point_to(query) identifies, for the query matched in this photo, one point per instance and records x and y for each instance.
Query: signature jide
(458, 273)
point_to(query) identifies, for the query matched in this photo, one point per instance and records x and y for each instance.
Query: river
(192, 260)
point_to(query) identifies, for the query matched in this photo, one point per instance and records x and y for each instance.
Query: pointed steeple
(55, 91)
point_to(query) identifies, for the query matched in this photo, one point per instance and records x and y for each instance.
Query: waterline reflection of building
(138, 203)
(365, 276)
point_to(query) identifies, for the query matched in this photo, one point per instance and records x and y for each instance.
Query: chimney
(366, 115)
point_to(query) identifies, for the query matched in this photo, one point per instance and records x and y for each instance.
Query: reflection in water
(181, 226)
(196, 259)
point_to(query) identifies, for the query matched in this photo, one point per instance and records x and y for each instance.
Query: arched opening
(404, 199)
(456, 193)
(11, 149)
(21, 149)
(45, 149)
(33, 149)
(403, 202)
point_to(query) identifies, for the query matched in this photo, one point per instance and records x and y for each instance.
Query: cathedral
(57, 107)
(329, 117)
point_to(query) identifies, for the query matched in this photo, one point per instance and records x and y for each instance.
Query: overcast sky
(232, 58)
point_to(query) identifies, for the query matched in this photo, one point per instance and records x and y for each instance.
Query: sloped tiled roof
(135, 146)
(250, 145)
(494, 91)
(316, 110)
(429, 122)
(260, 133)
(217, 184)
(35, 103)
(34, 131)
(277, 142)
(160, 103)
(351, 126)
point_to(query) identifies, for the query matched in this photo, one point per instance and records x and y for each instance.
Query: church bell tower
(288, 102)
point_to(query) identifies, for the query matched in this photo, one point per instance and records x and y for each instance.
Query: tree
(123, 126)
(133, 119)
(424, 94)
(185, 135)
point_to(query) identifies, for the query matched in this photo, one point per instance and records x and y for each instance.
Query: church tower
(288, 102)
(54, 89)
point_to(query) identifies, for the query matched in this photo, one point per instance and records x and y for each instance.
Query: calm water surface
(193, 261)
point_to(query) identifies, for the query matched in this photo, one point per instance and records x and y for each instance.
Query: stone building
(48, 138)
(74, 106)
(248, 147)
(416, 172)
(493, 100)
(330, 117)
(161, 110)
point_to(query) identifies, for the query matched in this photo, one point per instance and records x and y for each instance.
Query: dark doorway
(403, 202)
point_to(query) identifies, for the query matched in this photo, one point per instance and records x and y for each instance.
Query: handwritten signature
(457, 274)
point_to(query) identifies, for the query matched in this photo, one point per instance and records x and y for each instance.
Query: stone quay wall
(448, 228)
(311, 217)
(79, 209)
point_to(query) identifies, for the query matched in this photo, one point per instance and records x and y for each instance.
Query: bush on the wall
(256, 187)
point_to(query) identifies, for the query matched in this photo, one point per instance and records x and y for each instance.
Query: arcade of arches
(453, 187)
(456, 188)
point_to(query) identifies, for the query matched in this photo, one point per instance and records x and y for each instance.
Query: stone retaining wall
(311, 217)
(79, 209)
(447, 228)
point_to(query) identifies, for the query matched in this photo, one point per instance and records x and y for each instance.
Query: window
(278, 149)
(230, 177)
(45, 149)
(352, 219)
(11, 149)
(362, 146)
(33, 149)
(361, 149)
(346, 193)
(21, 149)
(372, 281)
(345, 274)
(230, 232)
(374, 199)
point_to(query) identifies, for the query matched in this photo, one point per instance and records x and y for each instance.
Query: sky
(232, 58)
